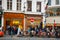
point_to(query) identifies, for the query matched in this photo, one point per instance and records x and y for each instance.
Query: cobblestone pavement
(26, 38)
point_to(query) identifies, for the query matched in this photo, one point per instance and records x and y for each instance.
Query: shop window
(57, 2)
(35, 23)
(29, 5)
(18, 4)
(9, 4)
(38, 6)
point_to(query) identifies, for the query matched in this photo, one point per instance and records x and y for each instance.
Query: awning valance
(50, 24)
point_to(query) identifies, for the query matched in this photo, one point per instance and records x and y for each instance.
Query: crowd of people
(46, 32)
(36, 31)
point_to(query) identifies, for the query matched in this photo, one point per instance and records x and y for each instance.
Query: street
(26, 38)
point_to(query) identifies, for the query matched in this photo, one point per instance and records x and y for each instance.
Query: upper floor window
(47, 14)
(29, 5)
(49, 2)
(18, 4)
(54, 14)
(38, 6)
(58, 11)
(57, 2)
(51, 14)
(9, 4)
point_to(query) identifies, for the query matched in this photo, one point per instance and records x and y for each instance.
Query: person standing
(19, 30)
(9, 29)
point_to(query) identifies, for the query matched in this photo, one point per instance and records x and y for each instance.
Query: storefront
(32, 20)
(13, 19)
(53, 17)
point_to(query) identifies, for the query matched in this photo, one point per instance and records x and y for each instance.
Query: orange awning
(48, 24)
(57, 24)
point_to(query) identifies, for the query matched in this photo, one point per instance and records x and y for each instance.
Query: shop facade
(32, 20)
(53, 16)
(13, 19)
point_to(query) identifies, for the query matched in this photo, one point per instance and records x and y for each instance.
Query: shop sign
(15, 22)
(32, 19)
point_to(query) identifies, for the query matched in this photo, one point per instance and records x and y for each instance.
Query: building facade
(22, 12)
(53, 13)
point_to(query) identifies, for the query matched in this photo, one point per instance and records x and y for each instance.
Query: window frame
(19, 4)
(57, 2)
(29, 5)
(38, 4)
(9, 4)
(49, 2)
